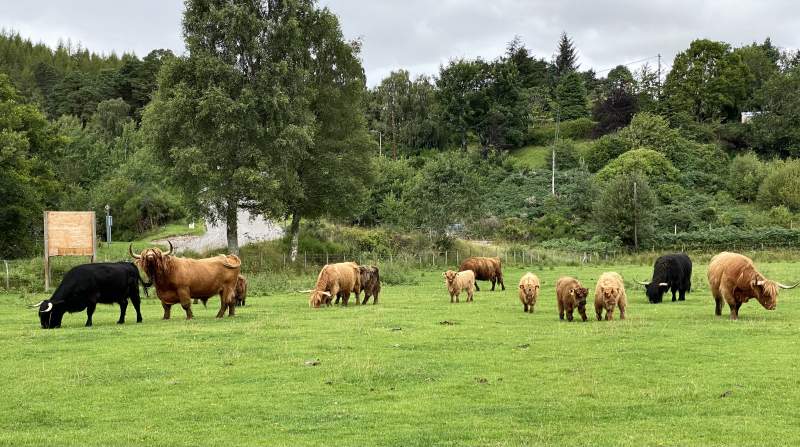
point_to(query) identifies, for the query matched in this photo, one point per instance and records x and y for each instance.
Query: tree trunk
(294, 231)
(232, 224)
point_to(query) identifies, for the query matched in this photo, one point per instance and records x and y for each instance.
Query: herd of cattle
(733, 279)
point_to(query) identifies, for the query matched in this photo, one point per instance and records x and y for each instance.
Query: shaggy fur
(370, 283)
(334, 279)
(485, 269)
(458, 281)
(570, 295)
(608, 294)
(734, 280)
(178, 280)
(241, 291)
(529, 286)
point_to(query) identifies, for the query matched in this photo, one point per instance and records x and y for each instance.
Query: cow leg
(137, 306)
(500, 280)
(582, 311)
(681, 295)
(734, 311)
(167, 309)
(570, 311)
(525, 307)
(621, 311)
(186, 302)
(123, 307)
(560, 310)
(493, 280)
(89, 312)
(223, 304)
(477, 289)
(673, 295)
(366, 298)
(599, 311)
(375, 299)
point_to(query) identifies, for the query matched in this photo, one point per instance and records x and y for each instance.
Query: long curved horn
(171, 248)
(130, 251)
(305, 291)
(49, 308)
(34, 306)
(784, 286)
(642, 283)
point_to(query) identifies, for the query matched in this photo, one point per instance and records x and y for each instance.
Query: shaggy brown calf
(529, 291)
(485, 269)
(458, 281)
(335, 278)
(734, 280)
(241, 291)
(370, 283)
(610, 293)
(178, 280)
(571, 295)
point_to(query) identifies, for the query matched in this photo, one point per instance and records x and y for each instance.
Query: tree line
(269, 110)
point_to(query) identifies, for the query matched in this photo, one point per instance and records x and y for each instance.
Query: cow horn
(49, 308)
(642, 283)
(784, 286)
(305, 291)
(34, 306)
(171, 248)
(133, 255)
(662, 284)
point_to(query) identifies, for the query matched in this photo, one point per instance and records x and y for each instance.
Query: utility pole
(555, 142)
(635, 218)
(659, 75)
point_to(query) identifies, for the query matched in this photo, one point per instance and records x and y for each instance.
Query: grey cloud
(419, 35)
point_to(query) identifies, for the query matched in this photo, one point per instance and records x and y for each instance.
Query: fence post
(8, 287)
(326, 258)
(390, 257)
(445, 258)
(284, 261)
(305, 261)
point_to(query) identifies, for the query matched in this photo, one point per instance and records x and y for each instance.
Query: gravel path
(251, 229)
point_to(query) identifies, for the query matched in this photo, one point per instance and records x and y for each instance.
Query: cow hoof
(120, 322)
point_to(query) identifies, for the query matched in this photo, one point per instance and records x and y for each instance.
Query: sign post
(68, 233)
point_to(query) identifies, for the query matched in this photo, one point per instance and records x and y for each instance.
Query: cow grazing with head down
(485, 269)
(370, 283)
(458, 281)
(608, 294)
(178, 280)
(734, 280)
(84, 286)
(669, 272)
(334, 279)
(529, 286)
(239, 297)
(571, 295)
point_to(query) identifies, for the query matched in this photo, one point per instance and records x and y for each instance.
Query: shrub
(745, 174)
(781, 186)
(647, 162)
(605, 149)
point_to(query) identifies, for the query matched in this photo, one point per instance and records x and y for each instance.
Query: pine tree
(567, 58)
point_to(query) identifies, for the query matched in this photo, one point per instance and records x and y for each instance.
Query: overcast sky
(419, 35)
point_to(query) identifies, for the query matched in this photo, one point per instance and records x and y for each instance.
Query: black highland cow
(86, 285)
(670, 272)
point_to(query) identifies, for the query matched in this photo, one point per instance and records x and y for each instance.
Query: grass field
(413, 370)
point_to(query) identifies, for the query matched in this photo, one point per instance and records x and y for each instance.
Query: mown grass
(538, 157)
(413, 370)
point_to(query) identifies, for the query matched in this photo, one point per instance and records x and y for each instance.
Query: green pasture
(413, 370)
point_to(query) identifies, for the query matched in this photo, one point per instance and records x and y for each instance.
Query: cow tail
(146, 286)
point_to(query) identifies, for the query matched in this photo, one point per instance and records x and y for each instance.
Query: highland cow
(529, 291)
(608, 294)
(334, 279)
(733, 279)
(370, 283)
(669, 272)
(485, 269)
(570, 295)
(458, 281)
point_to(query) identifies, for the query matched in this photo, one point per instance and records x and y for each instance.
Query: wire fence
(28, 274)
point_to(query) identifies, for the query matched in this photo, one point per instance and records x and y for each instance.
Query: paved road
(251, 230)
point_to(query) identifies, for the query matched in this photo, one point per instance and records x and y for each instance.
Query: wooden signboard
(68, 233)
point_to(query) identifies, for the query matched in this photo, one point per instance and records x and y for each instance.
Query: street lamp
(380, 141)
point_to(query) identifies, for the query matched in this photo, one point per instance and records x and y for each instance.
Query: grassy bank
(413, 370)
